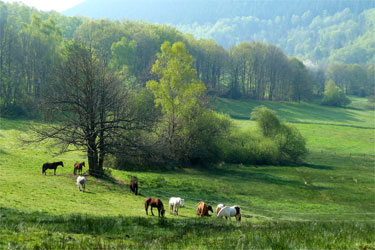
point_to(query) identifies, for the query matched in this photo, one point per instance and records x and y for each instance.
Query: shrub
(334, 96)
(267, 120)
(202, 136)
(249, 147)
(291, 144)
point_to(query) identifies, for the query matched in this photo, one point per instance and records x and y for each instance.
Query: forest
(323, 32)
(31, 41)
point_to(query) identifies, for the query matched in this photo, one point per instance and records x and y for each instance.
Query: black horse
(51, 166)
(134, 186)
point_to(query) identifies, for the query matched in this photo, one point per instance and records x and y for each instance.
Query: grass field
(327, 202)
(343, 131)
(355, 115)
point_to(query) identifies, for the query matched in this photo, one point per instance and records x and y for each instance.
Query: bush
(277, 143)
(249, 147)
(267, 120)
(291, 144)
(202, 136)
(370, 102)
(334, 96)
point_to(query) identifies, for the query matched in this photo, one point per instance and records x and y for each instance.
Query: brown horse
(78, 167)
(203, 209)
(51, 166)
(133, 185)
(154, 202)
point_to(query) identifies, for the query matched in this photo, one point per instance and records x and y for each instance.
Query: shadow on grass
(15, 123)
(289, 112)
(88, 192)
(3, 152)
(317, 166)
(96, 225)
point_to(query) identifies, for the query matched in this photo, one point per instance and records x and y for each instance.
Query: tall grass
(41, 231)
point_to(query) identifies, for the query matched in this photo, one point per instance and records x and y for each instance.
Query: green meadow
(326, 202)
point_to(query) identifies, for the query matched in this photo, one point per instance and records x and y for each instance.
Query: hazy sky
(57, 5)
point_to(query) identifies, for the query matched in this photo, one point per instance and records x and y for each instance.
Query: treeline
(345, 36)
(30, 52)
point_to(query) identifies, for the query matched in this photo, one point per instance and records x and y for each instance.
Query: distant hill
(203, 11)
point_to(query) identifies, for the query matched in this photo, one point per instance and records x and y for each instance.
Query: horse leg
(146, 208)
(170, 209)
(84, 187)
(55, 171)
(176, 210)
(152, 212)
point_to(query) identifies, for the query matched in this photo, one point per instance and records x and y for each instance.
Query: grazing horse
(154, 202)
(78, 167)
(51, 166)
(203, 209)
(174, 204)
(81, 182)
(228, 212)
(133, 185)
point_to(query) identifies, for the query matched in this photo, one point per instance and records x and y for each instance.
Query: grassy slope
(280, 210)
(355, 115)
(343, 131)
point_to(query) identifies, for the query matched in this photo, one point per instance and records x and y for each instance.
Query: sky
(57, 5)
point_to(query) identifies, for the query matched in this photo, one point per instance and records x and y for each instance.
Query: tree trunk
(92, 156)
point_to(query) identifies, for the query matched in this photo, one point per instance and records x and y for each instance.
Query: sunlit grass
(354, 115)
(328, 202)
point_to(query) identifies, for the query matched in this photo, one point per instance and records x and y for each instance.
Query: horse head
(182, 202)
(210, 209)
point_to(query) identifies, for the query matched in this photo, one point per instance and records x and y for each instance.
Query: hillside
(331, 195)
(343, 131)
(320, 31)
(210, 11)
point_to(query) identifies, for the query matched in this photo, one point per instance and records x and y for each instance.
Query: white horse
(174, 204)
(81, 182)
(228, 212)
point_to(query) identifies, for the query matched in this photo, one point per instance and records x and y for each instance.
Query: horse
(174, 204)
(133, 185)
(81, 182)
(78, 166)
(51, 166)
(154, 202)
(228, 212)
(219, 207)
(203, 209)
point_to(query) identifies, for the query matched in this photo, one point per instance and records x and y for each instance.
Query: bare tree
(90, 108)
